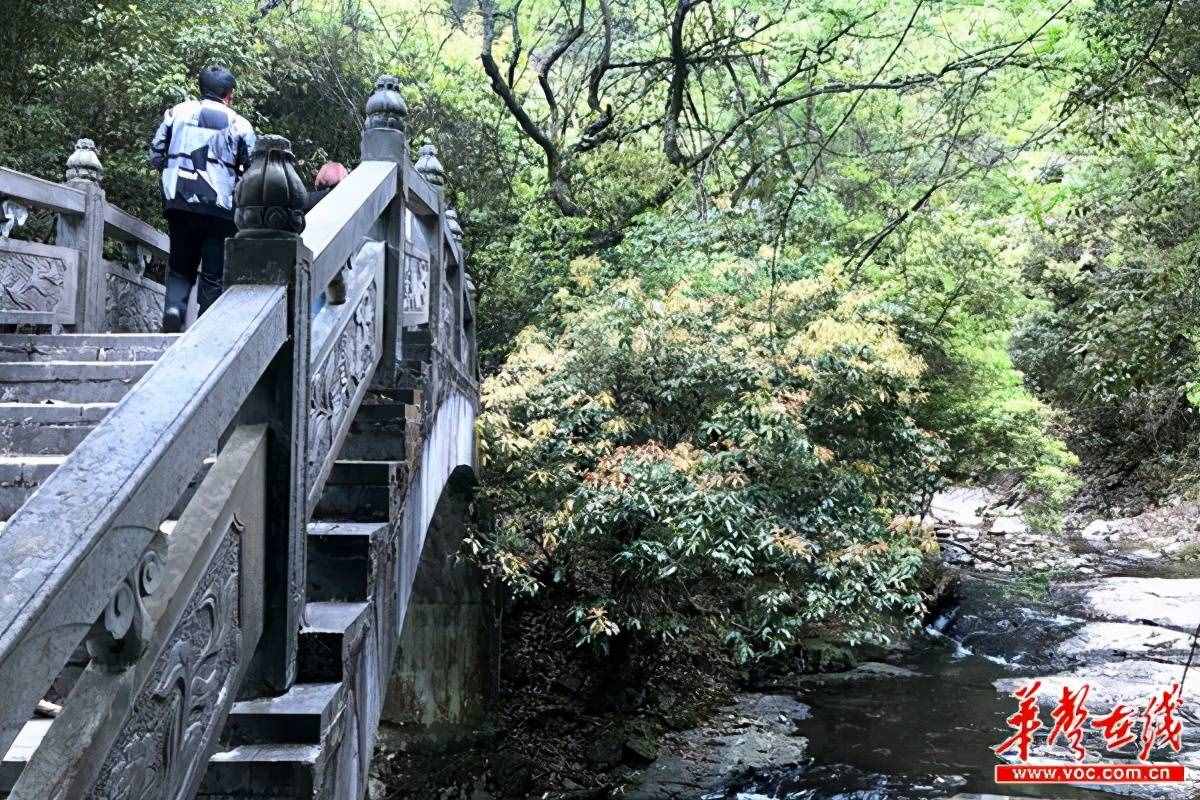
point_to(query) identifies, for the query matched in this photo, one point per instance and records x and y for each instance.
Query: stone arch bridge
(214, 539)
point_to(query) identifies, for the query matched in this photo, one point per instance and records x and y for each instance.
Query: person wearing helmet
(201, 149)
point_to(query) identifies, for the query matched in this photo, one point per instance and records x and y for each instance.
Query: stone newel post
(268, 250)
(454, 287)
(385, 138)
(85, 233)
(430, 168)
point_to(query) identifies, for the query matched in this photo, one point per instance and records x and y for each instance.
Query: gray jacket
(201, 147)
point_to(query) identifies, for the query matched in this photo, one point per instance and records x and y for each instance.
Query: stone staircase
(55, 389)
(297, 744)
(282, 746)
(294, 464)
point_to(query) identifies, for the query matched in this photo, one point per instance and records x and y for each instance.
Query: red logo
(1160, 727)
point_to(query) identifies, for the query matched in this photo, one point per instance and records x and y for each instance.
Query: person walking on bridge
(201, 148)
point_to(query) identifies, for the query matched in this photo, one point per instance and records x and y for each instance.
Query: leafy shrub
(688, 457)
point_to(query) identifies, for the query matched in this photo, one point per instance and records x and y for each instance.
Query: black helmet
(216, 81)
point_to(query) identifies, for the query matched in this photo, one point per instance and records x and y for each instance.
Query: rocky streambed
(1115, 612)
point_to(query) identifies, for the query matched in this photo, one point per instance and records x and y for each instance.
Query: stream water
(924, 724)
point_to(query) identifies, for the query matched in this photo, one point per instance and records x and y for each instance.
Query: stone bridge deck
(212, 540)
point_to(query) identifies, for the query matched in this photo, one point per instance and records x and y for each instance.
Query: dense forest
(754, 279)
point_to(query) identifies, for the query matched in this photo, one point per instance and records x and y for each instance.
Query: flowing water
(924, 726)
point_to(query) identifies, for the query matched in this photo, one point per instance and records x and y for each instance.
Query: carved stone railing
(178, 626)
(70, 282)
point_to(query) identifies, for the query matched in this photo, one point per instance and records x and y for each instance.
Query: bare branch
(559, 185)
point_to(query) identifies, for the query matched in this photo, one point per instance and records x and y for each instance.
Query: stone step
(381, 432)
(69, 381)
(85, 346)
(340, 560)
(299, 716)
(264, 771)
(359, 490)
(20, 475)
(328, 630)
(48, 428)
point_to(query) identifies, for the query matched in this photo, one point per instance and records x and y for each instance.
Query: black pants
(197, 242)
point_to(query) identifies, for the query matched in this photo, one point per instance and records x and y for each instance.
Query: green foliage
(1112, 248)
(734, 347)
(671, 450)
(1037, 585)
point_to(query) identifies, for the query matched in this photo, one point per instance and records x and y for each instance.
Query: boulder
(1008, 525)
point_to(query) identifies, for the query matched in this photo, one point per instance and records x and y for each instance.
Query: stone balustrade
(174, 538)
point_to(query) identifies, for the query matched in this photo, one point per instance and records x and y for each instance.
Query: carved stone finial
(385, 106)
(429, 166)
(137, 258)
(13, 214)
(453, 225)
(270, 196)
(84, 164)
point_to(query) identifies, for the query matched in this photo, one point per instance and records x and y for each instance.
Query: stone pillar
(469, 328)
(85, 233)
(385, 139)
(268, 250)
(454, 281)
(431, 170)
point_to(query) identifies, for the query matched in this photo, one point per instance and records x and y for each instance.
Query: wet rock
(641, 749)
(1097, 641)
(1003, 526)
(961, 506)
(1097, 530)
(881, 670)
(1168, 602)
(755, 736)
(823, 656)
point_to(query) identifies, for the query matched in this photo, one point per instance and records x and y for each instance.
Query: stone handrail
(131, 230)
(272, 388)
(336, 227)
(204, 617)
(68, 283)
(40, 193)
(89, 524)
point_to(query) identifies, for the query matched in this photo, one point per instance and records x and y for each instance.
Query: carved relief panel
(160, 751)
(416, 287)
(344, 372)
(37, 283)
(132, 304)
(446, 315)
